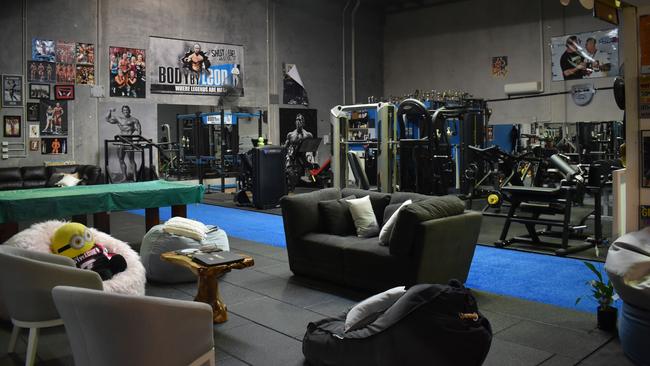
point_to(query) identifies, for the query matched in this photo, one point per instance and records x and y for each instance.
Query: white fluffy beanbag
(131, 282)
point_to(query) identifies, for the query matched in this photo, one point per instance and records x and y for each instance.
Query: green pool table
(99, 200)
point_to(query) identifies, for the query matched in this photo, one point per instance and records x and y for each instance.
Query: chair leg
(30, 357)
(212, 361)
(14, 337)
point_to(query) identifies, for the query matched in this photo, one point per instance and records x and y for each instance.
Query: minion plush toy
(75, 241)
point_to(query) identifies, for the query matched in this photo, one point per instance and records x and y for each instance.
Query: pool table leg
(7, 230)
(102, 222)
(82, 219)
(151, 217)
(179, 210)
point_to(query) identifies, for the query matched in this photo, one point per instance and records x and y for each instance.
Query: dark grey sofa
(434, 251)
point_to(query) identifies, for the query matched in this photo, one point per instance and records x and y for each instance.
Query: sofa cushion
(396, 200)
(399, 197)
(321, 255)
(10, 178)
(68, 180)
(364, 217)
(335, 217)
(369, 265)
(34, 176)
(378, 200)
(401, 238)
(90, 174)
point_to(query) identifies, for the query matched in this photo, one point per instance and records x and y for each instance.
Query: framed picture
(645, 158)
(34, 131)
(33, 112)
(54, 146)
(64, 92)
(12, 126)
(34, 144)
(39, 91)
(12, 91)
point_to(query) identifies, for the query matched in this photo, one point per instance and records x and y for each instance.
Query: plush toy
(75, 241)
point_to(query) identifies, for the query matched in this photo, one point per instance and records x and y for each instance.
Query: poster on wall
(644, 96)
(65, 52)
(42, 72)
(645, 158)
(585, 55)
(54, 117)
(127, 72)
(33, 112)
(294, 89)
(43, 50)
(644, 43)
(39, 91)
(34, 131)
(85, 53)
(64, 73)
(500, 66)
(54, 146)
(12, 90)
(34, 145)
(12, 126)
(85, 75)
(124, 119)
(195, 67)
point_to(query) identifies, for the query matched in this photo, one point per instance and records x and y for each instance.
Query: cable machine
(366, 128)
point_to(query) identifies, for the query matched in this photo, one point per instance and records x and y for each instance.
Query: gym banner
(195, 67)
(585, 55)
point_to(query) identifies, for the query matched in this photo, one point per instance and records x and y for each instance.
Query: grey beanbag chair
(156, 242)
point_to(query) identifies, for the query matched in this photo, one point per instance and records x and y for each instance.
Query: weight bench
(546, 201)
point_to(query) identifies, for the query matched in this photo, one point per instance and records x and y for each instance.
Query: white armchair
(111, 329)
(26, 282)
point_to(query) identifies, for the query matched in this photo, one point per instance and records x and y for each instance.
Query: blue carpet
(249, 225)
(535, 277)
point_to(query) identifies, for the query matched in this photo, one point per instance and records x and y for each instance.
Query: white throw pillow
(186, 227)
(372, 306)
(384, 234)
(364, 217)
(69, 180)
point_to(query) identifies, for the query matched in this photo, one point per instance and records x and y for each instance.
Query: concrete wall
(451, 46)
(307, 34)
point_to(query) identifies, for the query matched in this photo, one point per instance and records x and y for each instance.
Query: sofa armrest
(300, 212)
(444, 247)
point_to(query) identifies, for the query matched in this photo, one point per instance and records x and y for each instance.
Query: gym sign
(582, 94)
(195, 67)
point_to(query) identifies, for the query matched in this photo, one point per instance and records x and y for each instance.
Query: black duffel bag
(429, 325)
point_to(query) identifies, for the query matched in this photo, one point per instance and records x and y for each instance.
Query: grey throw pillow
(335, 217)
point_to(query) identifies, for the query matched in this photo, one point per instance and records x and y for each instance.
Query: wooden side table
(208, 291)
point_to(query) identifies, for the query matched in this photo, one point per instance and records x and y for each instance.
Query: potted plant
(604, 295)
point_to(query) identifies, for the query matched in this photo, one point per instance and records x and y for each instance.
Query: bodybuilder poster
(585, 55)
(195, 67)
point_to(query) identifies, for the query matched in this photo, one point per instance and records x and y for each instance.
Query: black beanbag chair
(429, 325)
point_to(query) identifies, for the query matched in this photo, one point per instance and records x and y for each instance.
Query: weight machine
(425, 154)
(209, 144)
(368, 129)
(132, 144)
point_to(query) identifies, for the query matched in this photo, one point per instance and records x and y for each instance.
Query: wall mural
(124, 119)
